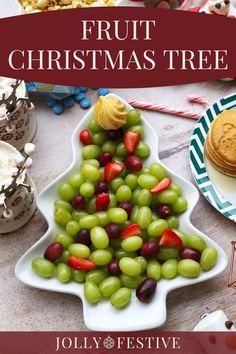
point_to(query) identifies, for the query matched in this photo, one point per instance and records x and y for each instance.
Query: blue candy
(80, 97)
(69, 102)
(50, 101)
(77, 91)
(85, 103)
(58, 108)
(83, 89)
(103, 92)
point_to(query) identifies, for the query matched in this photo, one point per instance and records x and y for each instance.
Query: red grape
(133, 163)
(146, 289)
(104, 158)
(101, 187)
(78, 202)
(149, 249)
(126, 206)
(190, 253)
(164, 211)
(113, 267)
(53, 251)
(83, 236)
(115, 134)
(113, 230)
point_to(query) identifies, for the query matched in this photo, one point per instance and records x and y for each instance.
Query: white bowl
(103, 317)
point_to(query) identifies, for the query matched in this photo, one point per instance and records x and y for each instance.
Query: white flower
(19, 160)
(29, 149)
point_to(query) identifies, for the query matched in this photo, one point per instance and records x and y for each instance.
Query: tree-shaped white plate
(102, 316)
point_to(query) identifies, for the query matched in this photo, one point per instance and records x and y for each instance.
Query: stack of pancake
(220, 144)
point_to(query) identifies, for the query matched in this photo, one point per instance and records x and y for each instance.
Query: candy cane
(199, 99)
(155, 107)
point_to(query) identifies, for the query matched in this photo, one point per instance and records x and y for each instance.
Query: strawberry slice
(131, 230)
(102, 201)
(170, 238)
(112, 170)
(161, 186)
(131, 140)
(85, 137)
(80, 263)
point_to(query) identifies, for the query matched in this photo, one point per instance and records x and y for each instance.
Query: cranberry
(101, 187)
(113, 267)
(83, 236)
(146, 289)
(133, 163)
(104, 158)
(53, 251)
(115, 134)
(149, 249)
(126, 206)
(113, 230)
(78, 202)
(190, 253)
(164, 210)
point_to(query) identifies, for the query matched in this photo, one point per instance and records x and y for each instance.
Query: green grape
(78, 214)
(79, 250)
(134, 198)
(63, 273)
(165, 253)
(132, 243)
(144, 217)
(130, 282)
(155, 216)
(100, 138)
(99, 237)
(90, 151)
(66, 191)
(176, 188)
(92, 293)
(158, 171)
(96, 276)
(117, 215)
(92, 162)
(208, 258)
(196, 242)
(173, 222)
(121, 150)
(121, 298)
(144, 198)
(76, 179)
(113, 201)
(72, 228)
(170, 269)
(134, 214)
(189, 268)
(123, 194)
(119, 253)
(89, 221)
(103, 218)
(133, 118)
(147, 181)
(115, 243)
(109, 146)
(137, 129)
(90, 172)
(109, 286)
(143, 262)
(131, 180)
(78, 275)
(142, 150)
(101, 257)
(64, 239)
(91, 206)
(153, 269)
(145, 236)
(61, 204)
(167, 197)
(94, 126)
(180, 205)
(130, 267)
(116, 183)
(64, 256)
(101, 171)
(43, 267)
(62, 216)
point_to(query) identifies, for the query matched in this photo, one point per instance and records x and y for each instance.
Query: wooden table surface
(25, 308)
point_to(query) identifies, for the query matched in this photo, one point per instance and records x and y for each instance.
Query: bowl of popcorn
(32, 6)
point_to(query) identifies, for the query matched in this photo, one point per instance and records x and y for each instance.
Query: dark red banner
(118, 47)
(116, 343)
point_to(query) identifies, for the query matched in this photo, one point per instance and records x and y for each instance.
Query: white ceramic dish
(103, 317)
